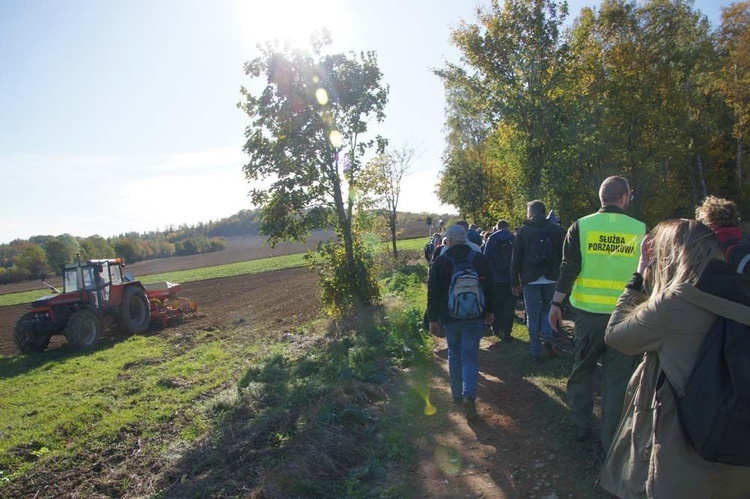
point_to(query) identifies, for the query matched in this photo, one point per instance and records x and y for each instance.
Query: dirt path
(521, 446)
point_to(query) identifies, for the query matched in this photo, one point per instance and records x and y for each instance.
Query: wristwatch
(556, 304)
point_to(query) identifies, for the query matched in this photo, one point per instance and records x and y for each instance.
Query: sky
(120, 116)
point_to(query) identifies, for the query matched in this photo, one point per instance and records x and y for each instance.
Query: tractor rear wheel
(135, 314)
(26, 338)
(84, 327)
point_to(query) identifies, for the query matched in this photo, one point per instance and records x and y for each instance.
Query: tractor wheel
(135, 314)
(26, 338)
(84, 328)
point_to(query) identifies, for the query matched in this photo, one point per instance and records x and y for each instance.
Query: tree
(306, 136)
(734, 78)
(57, 254)
(512, 60)
(96, 247)
(33, 259)
(382, 177)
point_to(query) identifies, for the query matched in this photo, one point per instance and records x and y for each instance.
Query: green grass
(149, 394)
(65, 403)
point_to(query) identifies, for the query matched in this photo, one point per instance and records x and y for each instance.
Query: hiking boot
(550, 349)
(470, 409)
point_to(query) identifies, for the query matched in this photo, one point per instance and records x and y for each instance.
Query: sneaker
(470, 409)
(550, 349)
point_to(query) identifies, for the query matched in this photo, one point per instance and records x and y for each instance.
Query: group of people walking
(643, 303)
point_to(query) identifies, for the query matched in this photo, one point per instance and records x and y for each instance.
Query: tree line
(39, 255)
(541, 109)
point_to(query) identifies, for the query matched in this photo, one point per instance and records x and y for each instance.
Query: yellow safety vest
(610, 250)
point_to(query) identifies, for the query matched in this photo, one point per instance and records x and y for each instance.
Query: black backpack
(541, 247)
(502, 256)
(738, 256)
(715, 410)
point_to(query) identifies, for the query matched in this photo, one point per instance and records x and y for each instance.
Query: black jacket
(439, 280)
(524, 268)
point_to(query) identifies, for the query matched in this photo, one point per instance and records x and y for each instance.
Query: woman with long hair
(690, 286)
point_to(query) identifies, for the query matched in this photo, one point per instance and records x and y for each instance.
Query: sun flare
(289, 21)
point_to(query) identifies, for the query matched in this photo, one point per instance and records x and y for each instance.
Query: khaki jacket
(650, 456)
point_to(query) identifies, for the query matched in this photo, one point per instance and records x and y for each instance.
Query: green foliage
(33, 260)
(643, 90)
(306, 134)
(343, 291)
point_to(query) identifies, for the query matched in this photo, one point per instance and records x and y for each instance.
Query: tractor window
(116, 273)
(70, 279)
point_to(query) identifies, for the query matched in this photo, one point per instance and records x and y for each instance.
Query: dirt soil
(519, 448)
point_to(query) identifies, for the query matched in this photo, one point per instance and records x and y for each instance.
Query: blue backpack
(465, 294)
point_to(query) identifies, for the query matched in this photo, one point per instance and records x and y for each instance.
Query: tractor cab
(95, 279)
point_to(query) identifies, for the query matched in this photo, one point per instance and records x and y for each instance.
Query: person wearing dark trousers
(499, 251)
(535, 267)
(599, 254)
(462, 335)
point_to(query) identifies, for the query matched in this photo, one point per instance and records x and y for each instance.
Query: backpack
(714, 412)
(541, 248)
(738, 256)
(429, 249)
(465, 294)
(502, 256)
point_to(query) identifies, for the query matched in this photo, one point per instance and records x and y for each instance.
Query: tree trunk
(701, 177)
(739, 159)
(346, 232)
(392, 226)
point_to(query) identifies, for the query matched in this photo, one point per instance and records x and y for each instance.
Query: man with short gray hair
(462, 334)
(599, 254)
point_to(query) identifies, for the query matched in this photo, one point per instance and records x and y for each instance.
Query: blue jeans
(537, 299)
(463, 356)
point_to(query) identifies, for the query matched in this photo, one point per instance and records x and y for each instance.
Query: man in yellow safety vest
(599, 254)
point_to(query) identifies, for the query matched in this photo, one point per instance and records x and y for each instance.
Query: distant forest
(39, 255)
(29, 259)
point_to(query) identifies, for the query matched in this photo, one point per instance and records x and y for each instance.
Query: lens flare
(448, 460)
(336, 138)
(322, 96)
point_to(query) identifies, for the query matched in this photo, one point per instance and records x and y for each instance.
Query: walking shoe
(457, 400)
(470, 409)
(550, 349)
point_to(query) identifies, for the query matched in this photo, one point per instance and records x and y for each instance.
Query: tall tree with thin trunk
(306, 136)
(383, 176)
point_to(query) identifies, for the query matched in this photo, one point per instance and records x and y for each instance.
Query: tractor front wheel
(135, 314)
(26, 338)
(84, 327)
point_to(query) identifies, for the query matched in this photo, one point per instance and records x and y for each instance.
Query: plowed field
(287, 295)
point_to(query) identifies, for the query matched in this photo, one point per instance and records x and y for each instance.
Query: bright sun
(287, 20)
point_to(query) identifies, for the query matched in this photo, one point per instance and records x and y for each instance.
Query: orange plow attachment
(166, 307)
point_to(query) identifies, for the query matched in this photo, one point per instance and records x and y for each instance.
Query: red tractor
(95, 292)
